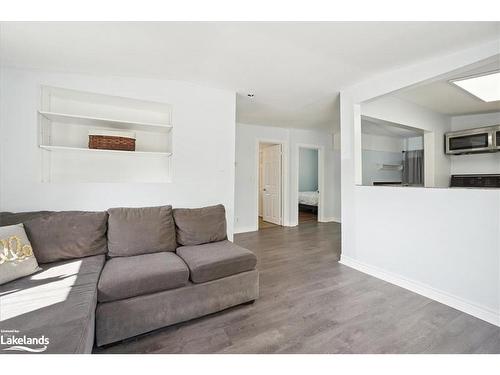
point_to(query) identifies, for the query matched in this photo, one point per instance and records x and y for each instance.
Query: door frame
(321, 180)
(284, 177)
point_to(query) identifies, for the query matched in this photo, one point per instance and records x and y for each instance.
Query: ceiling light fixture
(485, 87)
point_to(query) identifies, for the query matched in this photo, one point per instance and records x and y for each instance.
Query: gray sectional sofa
(108, 276)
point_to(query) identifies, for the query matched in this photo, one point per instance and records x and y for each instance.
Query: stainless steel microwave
(472, 141)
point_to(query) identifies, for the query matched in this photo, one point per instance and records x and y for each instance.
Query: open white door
(271, 182)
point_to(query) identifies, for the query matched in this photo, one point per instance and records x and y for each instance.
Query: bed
(308, 201)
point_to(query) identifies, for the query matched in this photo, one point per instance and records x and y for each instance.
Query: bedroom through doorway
(308, 185)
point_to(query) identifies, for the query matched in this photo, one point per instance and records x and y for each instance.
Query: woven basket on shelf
(111, 142)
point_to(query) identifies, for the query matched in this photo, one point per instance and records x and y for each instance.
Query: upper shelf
(118, 152)
(104, 122)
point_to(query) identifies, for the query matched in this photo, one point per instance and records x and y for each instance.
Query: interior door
(271, 181)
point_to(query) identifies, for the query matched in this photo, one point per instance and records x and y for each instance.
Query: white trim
(245, 230)
(358, 145)
(330, 219)
(284, 178)
(321, 178)
(425, 290)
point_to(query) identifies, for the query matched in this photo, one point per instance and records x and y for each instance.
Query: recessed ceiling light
(485, 87)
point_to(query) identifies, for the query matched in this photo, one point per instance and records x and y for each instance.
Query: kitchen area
(474, 152)
(441, 238)
(393, 155)
(451, 135)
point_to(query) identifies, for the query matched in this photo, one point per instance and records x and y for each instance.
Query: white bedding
(309, 197)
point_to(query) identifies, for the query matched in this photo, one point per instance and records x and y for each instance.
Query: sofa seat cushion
(126, 277)
(216, 260)
(58, 303)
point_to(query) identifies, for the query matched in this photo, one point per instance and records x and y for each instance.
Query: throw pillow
(16, 255)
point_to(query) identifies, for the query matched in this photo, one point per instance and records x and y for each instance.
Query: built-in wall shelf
(104, 122)
(66, 117)
(124, 153)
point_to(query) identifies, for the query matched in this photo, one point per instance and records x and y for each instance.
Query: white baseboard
(329, 220)
(245, 230)
(445, 298)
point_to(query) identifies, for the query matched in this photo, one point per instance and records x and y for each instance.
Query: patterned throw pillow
(16, 255)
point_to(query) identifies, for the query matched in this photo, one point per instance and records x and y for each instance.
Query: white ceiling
(295, 69)
(444, 97)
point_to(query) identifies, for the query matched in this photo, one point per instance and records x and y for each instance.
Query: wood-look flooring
(309, 303)
(305, 216)
(265, 224)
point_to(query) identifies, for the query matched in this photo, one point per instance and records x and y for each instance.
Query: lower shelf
(125, 153)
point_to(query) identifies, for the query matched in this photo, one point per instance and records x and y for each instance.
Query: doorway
(309, 184)
(270, 185)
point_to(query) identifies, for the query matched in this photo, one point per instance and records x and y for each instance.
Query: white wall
(246, 197)
(477, 163)
(420, 239)
(434, 238)
(203, 146)
(375, 142)
(377, 150)
(414, 143)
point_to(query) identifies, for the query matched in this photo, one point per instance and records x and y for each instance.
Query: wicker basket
(110, 141)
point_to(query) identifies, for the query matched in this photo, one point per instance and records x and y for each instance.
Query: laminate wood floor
(265, 224)
(305, 216)
(309, 303)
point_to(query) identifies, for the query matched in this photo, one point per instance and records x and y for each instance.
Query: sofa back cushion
(12, 218)
(135, 231)
(197, 226)
(57, 236)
